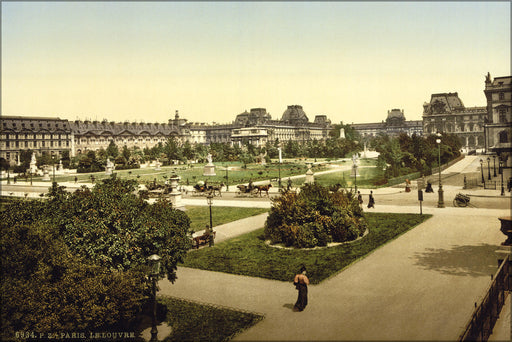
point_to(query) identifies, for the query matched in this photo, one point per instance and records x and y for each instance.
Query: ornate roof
(443, 103)
(295, 115)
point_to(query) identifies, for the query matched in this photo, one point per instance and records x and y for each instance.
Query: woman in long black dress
(301, 283)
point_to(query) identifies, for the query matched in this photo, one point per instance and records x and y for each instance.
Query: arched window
(503, 137)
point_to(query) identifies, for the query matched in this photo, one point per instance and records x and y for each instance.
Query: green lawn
(200, 216)
(367, 177)
(198, 322)
(249, 255)
(194, 173)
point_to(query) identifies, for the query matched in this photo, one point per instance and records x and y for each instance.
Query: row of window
(34, 136)
(119, 140)
(35, 144)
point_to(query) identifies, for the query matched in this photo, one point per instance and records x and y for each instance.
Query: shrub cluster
(314, 217)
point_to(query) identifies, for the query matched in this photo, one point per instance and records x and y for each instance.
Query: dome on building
(395, 117)
(294, 115)
(255, 117)
(396, 113)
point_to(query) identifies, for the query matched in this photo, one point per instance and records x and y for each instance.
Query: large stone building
(395, 124)
(39, 134)
(257, 127)
(54, 135)
(498, 121)
(445, 113)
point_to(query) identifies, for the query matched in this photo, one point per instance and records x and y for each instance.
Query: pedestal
(310, 176)
(175, 194)
(108, 170)
(209, 170)
(46, 175)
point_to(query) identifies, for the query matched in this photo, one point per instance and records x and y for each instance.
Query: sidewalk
(421, 286)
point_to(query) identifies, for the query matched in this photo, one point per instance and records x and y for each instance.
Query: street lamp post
(482, 169)
(489, 168)
(209, 200)
(53, 165)
(227, 179)
(279, 167)
(501, 172)
(154, 261)
(440, 202)
(494, 162)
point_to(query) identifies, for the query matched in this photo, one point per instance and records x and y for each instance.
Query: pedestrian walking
(360, 198)
(301, 283)
(371, 200)
(76, 179)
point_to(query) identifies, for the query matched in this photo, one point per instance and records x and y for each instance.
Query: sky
(142, 61)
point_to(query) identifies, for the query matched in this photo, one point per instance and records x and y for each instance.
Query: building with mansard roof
(395, 124)
(446, 113)
(498, 121)
(39, 134)
(293, 125)
(94, 135)
(55, 135)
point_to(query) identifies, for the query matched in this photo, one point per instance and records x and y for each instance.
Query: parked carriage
(461, 200)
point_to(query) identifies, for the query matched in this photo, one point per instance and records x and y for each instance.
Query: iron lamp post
(482, 169)
(501, 172)
(440, 202)
(279, 168)
(154, 261)
(489, 168)
(494, 163)
(227, 179)
(209, 200)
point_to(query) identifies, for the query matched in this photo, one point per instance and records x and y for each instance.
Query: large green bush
(314, 217)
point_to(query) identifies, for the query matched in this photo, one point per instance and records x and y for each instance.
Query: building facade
(446, 113)
(395, 124)
(56, 135)
(498, 121)
(257, 127)
(39, 134)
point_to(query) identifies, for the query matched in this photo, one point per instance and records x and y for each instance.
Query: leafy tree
(46, 288)
(4, 164)
(117, 229)
(112, 150)
(188, 151)
(126, 152)
(66, 160)
(172, 149)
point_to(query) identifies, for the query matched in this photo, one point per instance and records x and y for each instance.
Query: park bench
(202, 239)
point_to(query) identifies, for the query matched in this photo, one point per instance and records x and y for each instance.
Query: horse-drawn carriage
(203, 188)
(461, 200)
(252, 190)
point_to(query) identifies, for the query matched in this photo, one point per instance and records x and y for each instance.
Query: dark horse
(216, 188)
(263, 188)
